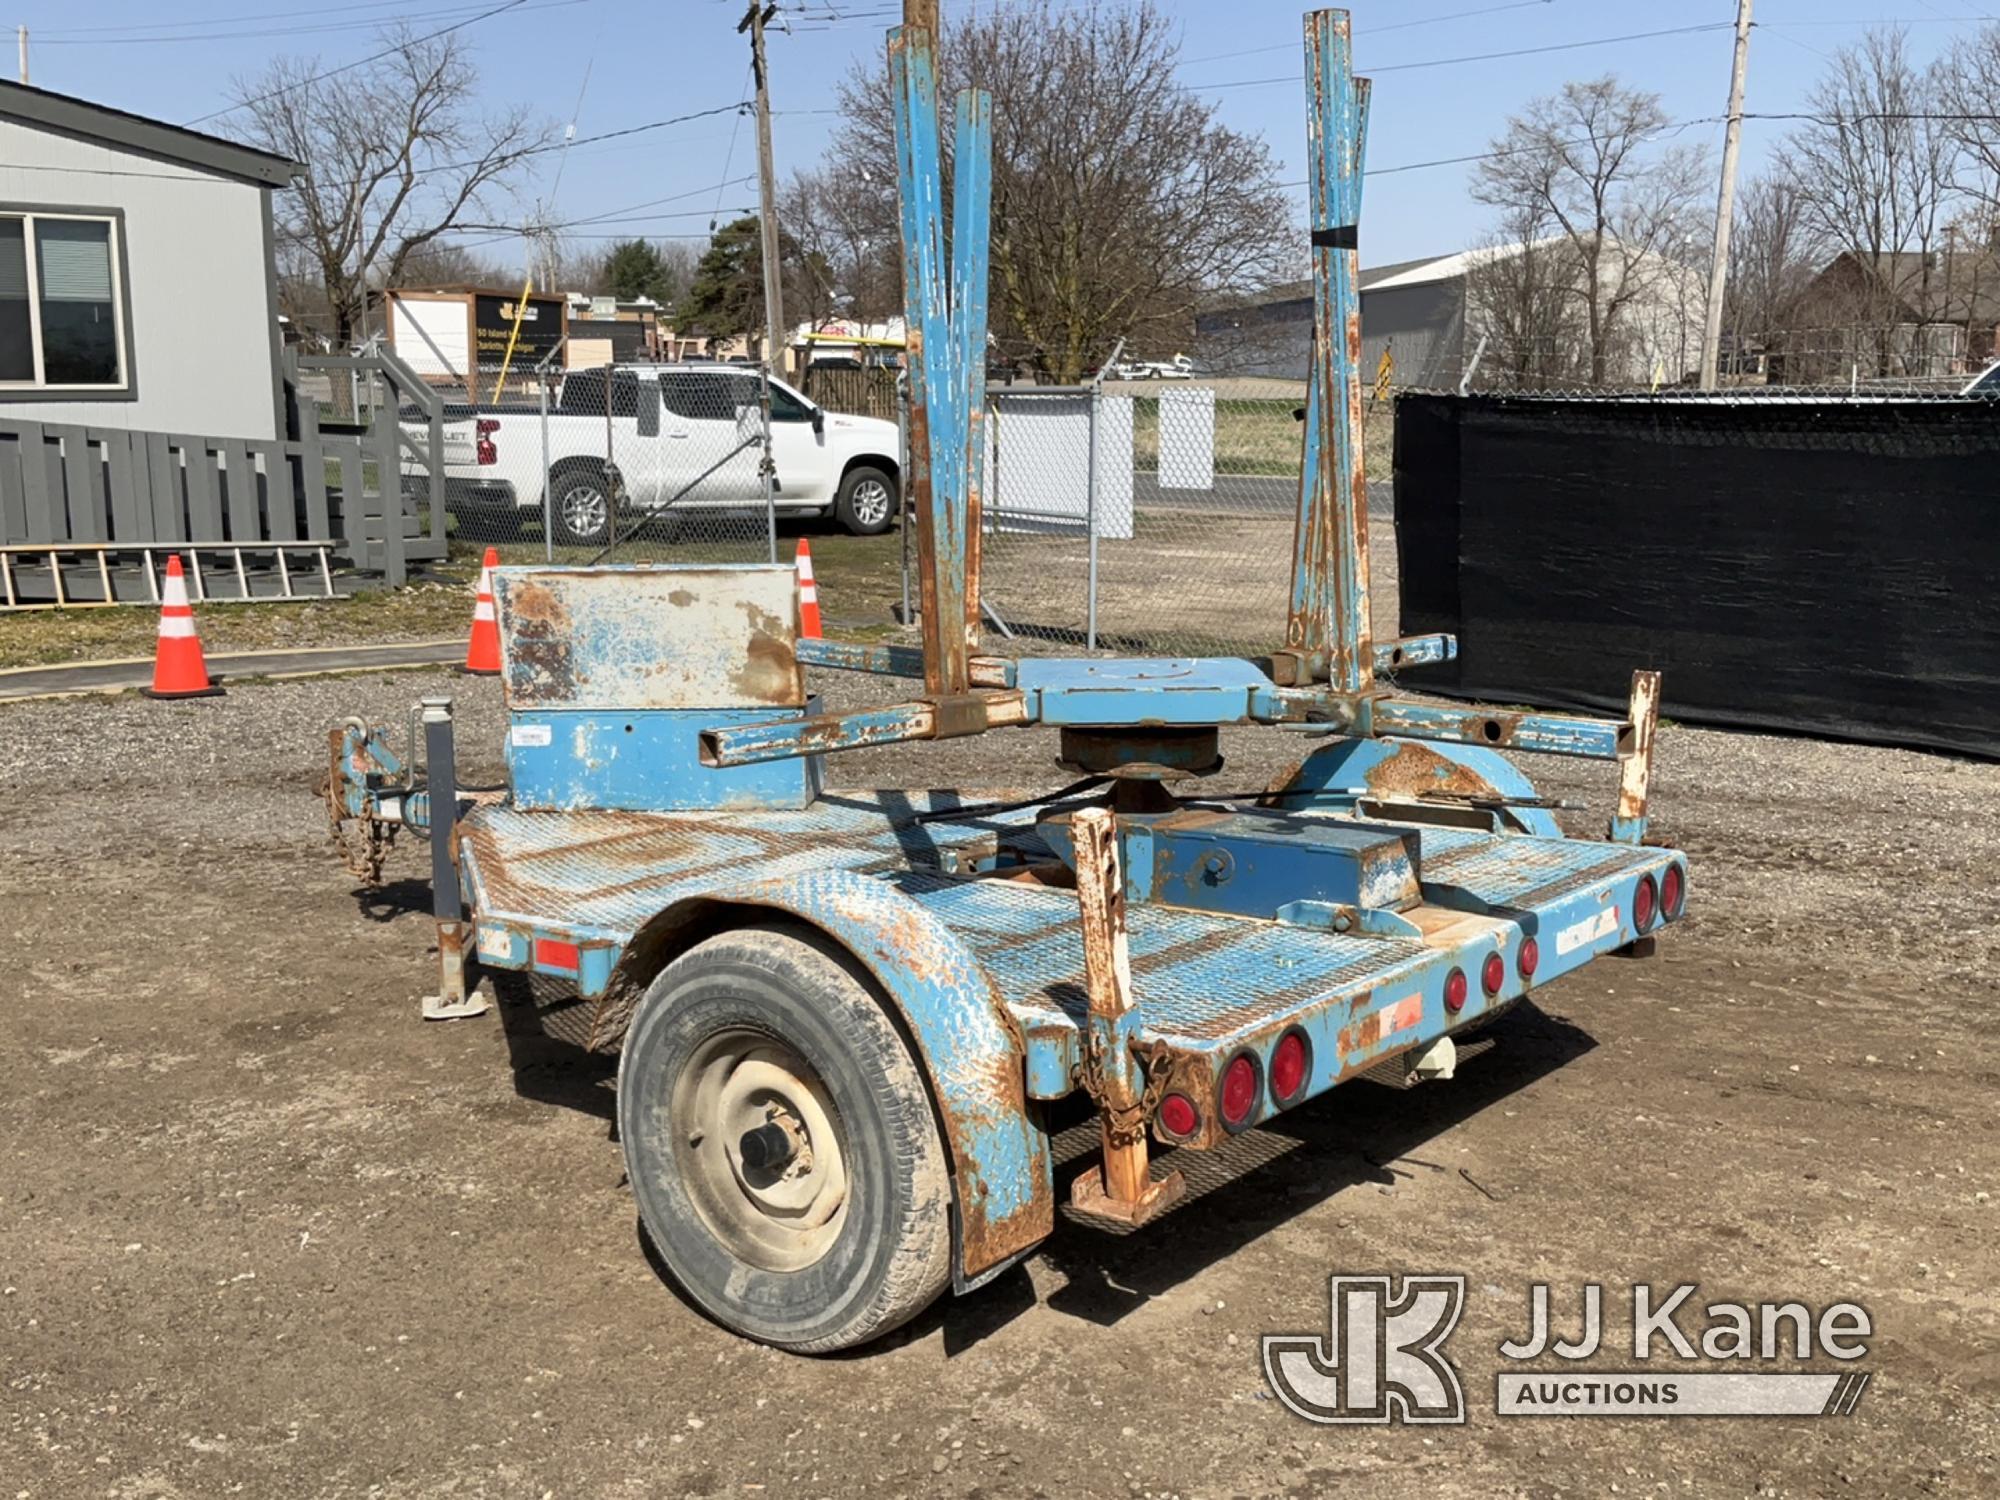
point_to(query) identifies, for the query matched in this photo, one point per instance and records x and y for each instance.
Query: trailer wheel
(780, 1141)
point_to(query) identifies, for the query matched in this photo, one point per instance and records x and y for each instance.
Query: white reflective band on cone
(174, 627)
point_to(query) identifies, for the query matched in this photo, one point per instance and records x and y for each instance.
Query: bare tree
(395, 155)
(846, 262)
(1967, 91)
(1874, 168)
(1120, 202)
(1519, 298)
(1588, 163)
(1771, 259)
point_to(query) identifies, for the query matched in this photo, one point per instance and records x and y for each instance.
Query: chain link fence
(632, 463)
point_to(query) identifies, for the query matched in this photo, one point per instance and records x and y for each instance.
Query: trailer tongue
(835, 1009)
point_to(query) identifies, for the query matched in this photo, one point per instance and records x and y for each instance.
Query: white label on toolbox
(496, 945)
(1589, 930)
(534, 734)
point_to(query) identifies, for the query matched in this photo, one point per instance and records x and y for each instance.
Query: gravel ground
(261, 1232)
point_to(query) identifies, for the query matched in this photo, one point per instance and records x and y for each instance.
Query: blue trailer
(841, 1014)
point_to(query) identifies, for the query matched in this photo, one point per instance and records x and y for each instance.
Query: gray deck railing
(344, 487)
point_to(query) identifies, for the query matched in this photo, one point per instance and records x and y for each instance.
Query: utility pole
(1718, 270)
(23, 31)
(767, 188)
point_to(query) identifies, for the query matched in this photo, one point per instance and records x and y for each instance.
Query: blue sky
(635, 61)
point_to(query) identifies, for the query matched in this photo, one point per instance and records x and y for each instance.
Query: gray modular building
(137, 272)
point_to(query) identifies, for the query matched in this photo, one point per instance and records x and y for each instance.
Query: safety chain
(365, 851)
(1123, 1126)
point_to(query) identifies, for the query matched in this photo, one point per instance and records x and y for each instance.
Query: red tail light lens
(489, 452)
(1493, 973)
(1645, 903)
(1673, 892)
(1289, 1067)
(1455, 989)
(1239, 1091)
(1529, 958)
(1178, 1115)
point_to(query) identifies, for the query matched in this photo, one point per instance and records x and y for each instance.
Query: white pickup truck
(668, 439)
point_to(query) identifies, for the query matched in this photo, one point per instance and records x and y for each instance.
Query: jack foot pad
(1088, 1198)
(438, 1008)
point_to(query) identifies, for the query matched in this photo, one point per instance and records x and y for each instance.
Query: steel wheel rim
(739, 1092)
(871, 502)
(583, 510)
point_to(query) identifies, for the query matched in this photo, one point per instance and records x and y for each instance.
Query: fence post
(548, 507)
(1090, 516)
(765, 467)
(903, 485)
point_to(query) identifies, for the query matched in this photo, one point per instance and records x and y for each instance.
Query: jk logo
(1381, 1362)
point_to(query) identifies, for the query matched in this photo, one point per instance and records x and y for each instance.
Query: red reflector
(1645, 902)
(1529, 958)
(550, 954)
(1288, 1067)
(1454, 991)
(1673, 891)
(1239, 1090)
(1177, 1115)
(1493, 973)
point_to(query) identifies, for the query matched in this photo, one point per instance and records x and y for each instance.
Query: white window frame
(115, 246)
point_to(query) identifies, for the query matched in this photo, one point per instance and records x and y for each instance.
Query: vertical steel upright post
(972, 192)
(940, 385)
(1329, 629)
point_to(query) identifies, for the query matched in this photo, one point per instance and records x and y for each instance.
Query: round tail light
(1290, 1061)
(1645, 903)
(1455, 989)
(1240, 1085)
(1178, 1115)
(1673, 892)
(1493, 973)
(1529, 958)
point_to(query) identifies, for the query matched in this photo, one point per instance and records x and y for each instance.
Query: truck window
(582, 394)
(699, 395)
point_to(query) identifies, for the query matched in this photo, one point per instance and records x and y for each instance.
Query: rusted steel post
(937, 420)
(971, 236)
(1125, 1189)
(1328, 630)
(1635, 771)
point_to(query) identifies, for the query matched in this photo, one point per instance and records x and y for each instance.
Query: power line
(362, 62)
(1444, 62)
(162, 38)
(265, 15)
(1372, 31)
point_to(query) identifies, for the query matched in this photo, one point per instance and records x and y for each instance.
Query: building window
(62, 321)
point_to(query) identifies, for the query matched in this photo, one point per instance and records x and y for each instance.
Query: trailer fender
(1003, 1186)
(1392, 768)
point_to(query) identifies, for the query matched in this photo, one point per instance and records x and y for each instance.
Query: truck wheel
(866, 503)
(582, 508)
(779, 1139)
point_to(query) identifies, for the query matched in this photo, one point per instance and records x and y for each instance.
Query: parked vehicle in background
(676, 438)
(1180, 367)
(1985, 383)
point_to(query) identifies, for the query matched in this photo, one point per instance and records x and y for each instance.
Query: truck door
(719, 449)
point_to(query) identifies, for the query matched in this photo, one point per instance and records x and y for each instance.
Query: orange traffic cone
(178, 669)
(482, 653)
(808, 594)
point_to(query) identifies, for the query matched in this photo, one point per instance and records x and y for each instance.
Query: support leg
(453, 1001)
(1123, 1190)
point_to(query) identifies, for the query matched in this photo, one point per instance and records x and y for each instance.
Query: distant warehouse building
(1428, 317)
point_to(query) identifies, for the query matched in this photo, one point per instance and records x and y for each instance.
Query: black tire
(885, 1254)
(867, 500)
(581, 508)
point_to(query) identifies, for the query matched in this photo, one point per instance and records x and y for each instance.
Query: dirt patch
(262, 1231)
